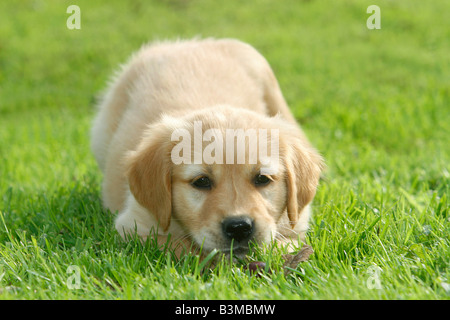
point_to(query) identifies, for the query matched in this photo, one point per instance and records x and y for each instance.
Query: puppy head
(222, 203)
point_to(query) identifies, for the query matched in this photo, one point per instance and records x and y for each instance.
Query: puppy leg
(128, 224)
(180, 247)
(136, 220)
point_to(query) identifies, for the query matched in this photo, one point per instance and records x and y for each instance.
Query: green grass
(374, 102)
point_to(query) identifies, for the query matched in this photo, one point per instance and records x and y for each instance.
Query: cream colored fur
(224, 84)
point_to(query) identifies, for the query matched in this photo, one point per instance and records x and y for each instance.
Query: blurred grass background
(374, 102)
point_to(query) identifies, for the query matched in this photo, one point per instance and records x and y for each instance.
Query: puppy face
(220, 205)
(224, 204)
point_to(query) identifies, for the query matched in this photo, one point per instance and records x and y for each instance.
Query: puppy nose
(238, 228)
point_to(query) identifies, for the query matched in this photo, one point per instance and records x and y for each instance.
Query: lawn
(376, 103)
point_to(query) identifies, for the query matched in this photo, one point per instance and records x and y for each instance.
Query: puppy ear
(149, 173)
(303, 165)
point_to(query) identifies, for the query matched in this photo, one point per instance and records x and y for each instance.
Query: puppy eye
(261, 180)
(202, 183)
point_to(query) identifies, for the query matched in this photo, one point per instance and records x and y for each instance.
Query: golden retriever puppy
(196, 143)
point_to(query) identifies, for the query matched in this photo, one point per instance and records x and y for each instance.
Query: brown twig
(292, 261)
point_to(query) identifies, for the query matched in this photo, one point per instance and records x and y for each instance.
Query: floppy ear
(303, 166)
(149, 173)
